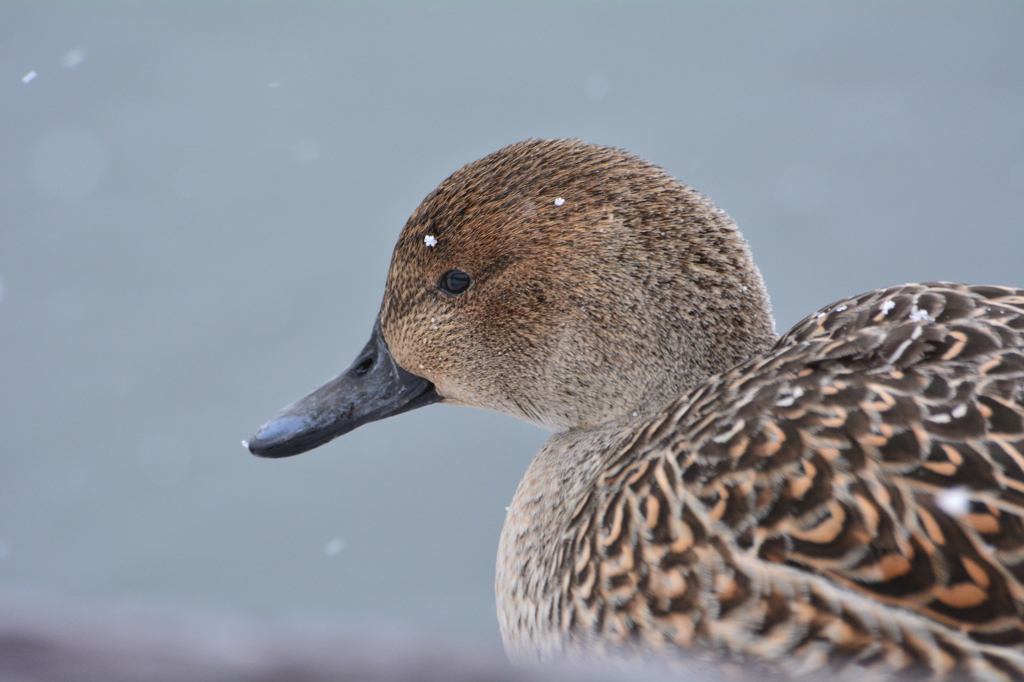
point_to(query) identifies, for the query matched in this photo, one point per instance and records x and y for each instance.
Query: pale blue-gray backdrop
(198, 203)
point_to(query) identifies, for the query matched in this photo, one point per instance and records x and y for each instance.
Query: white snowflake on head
(887, 306)
(559, 201)
(430, 240)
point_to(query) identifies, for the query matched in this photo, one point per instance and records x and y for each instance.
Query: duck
(844, 500)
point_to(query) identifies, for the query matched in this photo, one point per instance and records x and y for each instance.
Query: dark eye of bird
(454, 282)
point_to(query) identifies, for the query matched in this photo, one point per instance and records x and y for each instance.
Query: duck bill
(372, 388)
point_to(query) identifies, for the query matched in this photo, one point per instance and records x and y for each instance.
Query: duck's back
(852, 501)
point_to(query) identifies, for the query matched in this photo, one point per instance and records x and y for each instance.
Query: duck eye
(454, 282)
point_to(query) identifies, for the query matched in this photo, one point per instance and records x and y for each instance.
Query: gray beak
(372, 388)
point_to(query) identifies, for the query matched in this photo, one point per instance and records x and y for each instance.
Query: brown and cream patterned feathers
(846, 501)
(850, 501)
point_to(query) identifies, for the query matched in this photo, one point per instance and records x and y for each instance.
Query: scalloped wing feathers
(851, 501)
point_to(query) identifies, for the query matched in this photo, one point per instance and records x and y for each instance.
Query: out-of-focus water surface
(198, 203)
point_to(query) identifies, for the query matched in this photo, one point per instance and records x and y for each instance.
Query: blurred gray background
(198, 203)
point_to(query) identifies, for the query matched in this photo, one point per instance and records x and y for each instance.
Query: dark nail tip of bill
(291, 434)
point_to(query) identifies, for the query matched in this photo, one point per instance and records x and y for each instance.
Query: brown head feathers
(600, 286)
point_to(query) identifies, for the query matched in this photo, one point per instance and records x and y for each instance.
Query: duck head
(566, 284)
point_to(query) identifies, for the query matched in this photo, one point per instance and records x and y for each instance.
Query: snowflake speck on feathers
(919, 315)
(953, 501)
(430, 240)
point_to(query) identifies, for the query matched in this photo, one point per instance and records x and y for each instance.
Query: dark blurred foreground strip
(46, 639)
